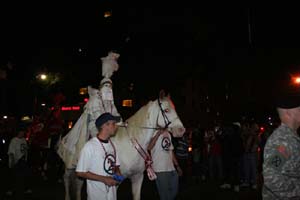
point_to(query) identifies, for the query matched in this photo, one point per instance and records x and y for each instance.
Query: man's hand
(110, 181)
(179, 170)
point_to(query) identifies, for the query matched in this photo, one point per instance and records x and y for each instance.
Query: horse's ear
(162, 94)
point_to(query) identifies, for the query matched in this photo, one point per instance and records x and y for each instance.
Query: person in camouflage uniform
(281, 167)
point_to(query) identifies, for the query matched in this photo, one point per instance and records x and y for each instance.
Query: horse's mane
(141, 116)
(138, 120)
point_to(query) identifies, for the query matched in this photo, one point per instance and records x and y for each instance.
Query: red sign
(68, 108)
(65, 108)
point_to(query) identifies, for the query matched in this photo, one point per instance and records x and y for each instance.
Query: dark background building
(216, 61)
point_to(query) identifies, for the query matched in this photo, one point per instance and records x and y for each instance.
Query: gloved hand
(118, 178)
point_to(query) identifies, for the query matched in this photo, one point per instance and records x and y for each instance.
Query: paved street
(47, 190)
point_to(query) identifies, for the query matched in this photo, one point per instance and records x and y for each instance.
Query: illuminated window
(83, 91)
(70, 125)
(107, 14)
(127, 103)
(25, 118)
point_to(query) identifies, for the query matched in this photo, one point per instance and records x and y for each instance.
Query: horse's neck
(145, 121)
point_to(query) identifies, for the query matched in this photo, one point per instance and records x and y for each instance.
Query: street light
(43, 76)
(297, 80)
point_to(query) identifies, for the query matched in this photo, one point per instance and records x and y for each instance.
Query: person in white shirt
(17, 149)
(165, 165)
(98, 161)
(17, 154)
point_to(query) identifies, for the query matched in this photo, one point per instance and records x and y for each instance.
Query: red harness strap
(147, 158)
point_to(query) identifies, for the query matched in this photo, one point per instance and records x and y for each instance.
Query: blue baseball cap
(105, 117)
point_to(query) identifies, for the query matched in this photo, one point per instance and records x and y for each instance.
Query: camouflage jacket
(281, 167)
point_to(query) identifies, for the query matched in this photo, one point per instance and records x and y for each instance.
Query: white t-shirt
(18, 147)
(162, 154)
(94, 159)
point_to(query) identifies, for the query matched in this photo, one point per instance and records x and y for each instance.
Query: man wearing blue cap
(281, 167)
(98, 161)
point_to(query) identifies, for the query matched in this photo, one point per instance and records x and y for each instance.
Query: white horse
(156, 114)
(141, 127)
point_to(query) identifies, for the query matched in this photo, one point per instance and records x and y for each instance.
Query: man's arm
(107, 180)
(11, 161)
(118, 171)
(82, 169)
(175, 162)
(11, 153)
(281, 173)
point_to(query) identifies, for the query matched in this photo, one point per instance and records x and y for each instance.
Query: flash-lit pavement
(47, 190)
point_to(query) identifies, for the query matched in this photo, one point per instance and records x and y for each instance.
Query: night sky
(159, 46)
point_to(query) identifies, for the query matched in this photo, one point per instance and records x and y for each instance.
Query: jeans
(167, 185)
(21, 178)
(231, 166)
(183, 163)
(215, 167)
(250, 167)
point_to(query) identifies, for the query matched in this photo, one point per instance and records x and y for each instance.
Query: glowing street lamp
(297, 80)
(43, 77)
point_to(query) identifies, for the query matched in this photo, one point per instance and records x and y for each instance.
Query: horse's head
(168, 117)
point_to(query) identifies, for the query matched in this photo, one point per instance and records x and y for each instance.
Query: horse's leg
(67, 181)
(79, 184)
(136, 185)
